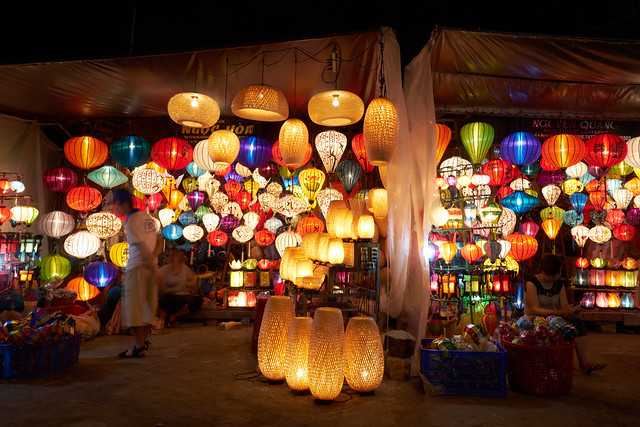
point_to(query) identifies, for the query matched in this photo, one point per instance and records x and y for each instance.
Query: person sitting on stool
(177, 288)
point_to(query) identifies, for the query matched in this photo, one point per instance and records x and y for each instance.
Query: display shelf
(628, 316)
(603, 289)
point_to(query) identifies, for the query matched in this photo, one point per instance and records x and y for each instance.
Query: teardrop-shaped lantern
(311, 181)
(349, 172)
(551, 194)
(330, 146)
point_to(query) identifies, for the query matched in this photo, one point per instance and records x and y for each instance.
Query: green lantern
(477, 138)
(490, 213)
(202, 211)
(54, 267)
(107, 177)
(598, 262)
(190, 184)
(619, 170)
(552, 212)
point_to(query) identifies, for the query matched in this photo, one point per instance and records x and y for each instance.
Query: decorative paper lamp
(54, 267)
(578, 201)
(582, 262)
(551, 227)
(330, 146)
(194, 110)
(530, 169)
(147, 181)
(107, 177)
(217, 238)
(251, 219)
(359, 149)
(448, 251)
(551, 193)
(622, 197)
(605, 150)
(242, 234)
(84, 290)
(254, 152)
(490, 213)
(378, 202)
(620, 169)
(471, 253)
(326, 354)
(552, 212)
(103, 224)
(442, 137)
(366, 227)
(83, 198)
(201, 156)
(311, 180)
(273, 224)
(262, 103)
(297, 353)
(600, 234)
(193, 233)
(309, 224)
(381, 130)
(229, 222)
(100, 274)
(193, 169)
(59, 180)
(81, 244)
(633, 216)
(520, 148)
(224, 147)
(349, 172)
(624, 232)
(580, 234)
(119, 254)
(523, 246)
(172, 232)
(172, 153)
(633, 152)
(293, 142)
(264, 237)
(57, 224)
(364, 356)
(477, 138)
(335, 108)
(571, 186)
(503, 192)
(577, 170)
(85, 152)
(612, 185)
(189, 184)
(507, 221)
(602, 300)
(615, 217)
(497, 170)
(286, 240)
(24, 214)
(455, 166)
(195, 199)
(520, 202)
(325, 197)
(130, 151)
(561, 151)
(272, 339)
(598, 199)
(335, 251)
(573, 218)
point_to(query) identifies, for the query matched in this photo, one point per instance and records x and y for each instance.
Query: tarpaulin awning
(528, 75)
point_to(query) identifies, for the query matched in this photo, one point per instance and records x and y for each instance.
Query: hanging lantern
(264, 238)
(633, 152)
(290, 206)
(172, 232)
(364, 355)
(272, 339)
(520, 148)
(335, 251)
(620, 169)
(84, 290)
(59, 180)
(24, 214)
(624, 232)
(288, 239)
(477, 138)
(273, 224)
(326, 353)
(349, 172)
(309, 224)
(254, 152)
(330, 146)
(602, 300)
(615, 217)
(633, 216)
(381, 130)
(552, 212)
(335, 108)
(605, 150)
(293, 142)
(252, 219)
(529, 228)
(600, 234)
(471, 253)
(83, 198)
(195, 199)
(520, 202)
(103, 224)
(577, 170)
(193, 169)
(359, 149)
(107, 177)
(119, 254)
(551, 194)
(201, 156)
(455, 166)
(633, 185)
(210, 221)
(242, 234)
(611, 185)
(57, 224)
(174, 198)
(277, 156)
(582, 263)
(523, 246)
(442, 138)
(598, 199)
(622, 197)
(562, 151)
(100, 274)
(193, 233)
(507, 221)
(262, 103)
(189, 184)
(54, 267)
(378, 202)
(81, 244)
(580, 234)
(497, 170)
(573, 218)
(578, 201)
(448, 251)
(531, 169)
(85, 152)
(311, 181)
(325, 197)
(172, 153)
(194, 110)
(490, 213)
(297, 354)
(147, 181)
(130, 151)
(224, 147)
(166, 216)
(571, 186)
(217, 238)
(551, 227)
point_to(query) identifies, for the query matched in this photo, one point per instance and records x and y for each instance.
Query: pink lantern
(529, 228)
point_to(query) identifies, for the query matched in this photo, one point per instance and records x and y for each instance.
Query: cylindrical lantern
(335, 108)
(261, 103)
(561, 151)
(194, 110)
(57, 224)
(172, 153)
(297, 354)
(83, 198)
(381, 130)
(335, 251)
(85, 152)
(82, 244)
(363, 353)
(236, 278)
(293, 142)
(272, 340)
(54, 267)
(366, 227)
(378, 202)
(326, 354)
(330, 146)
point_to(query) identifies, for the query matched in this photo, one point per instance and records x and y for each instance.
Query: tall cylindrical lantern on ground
(272, 340)
(297, 354)
(381, 130)
(326, 354)
(364, 357)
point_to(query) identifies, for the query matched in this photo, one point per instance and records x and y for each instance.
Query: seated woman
(546, 295)
(178, 293)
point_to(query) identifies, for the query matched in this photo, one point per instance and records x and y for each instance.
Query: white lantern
(201, 156)
(551, 194)
(147, 181)
(57, 224)
(456, 166)
(208, 184)
(232, 208)
(193, 232)
(600, 234)
(577, 170)
(273, 224)
(193, 109)
(251, 219)
(288, 239)
(633, 152)
(507, 221)
(210, 221)
(166, 216)
(261, 180)
(381, 130)
(476, 179)
(274, 188)
(218, 201)
(330, 145)
(439, 216)
(82, 244)
(24, 214)
(520, 184)
(325, 197)
(103, 224)
(242, 170)
(267, 201)
(242, 233)
(290, 206)
(505, 247)
(580, 234)
(623, 197)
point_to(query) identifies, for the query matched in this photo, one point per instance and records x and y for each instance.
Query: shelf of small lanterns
(598, 287)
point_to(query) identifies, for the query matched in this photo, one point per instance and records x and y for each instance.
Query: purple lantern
(195, 199)
(100, 273)
(229, 223)
(597, 171)
(269, 171)
(550, 177)
(60, 180)
(254, 152)
(520, 148)
(633, 216)
(233, 175)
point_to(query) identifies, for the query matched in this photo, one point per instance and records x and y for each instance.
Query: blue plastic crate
(36, 361)
(464, 373)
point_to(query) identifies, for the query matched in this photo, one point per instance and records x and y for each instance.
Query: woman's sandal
(136, 353)
(593, 368)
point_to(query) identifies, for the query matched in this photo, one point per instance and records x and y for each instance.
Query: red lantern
(244, 199)
(217, 238)
(86, 152)
(624, 232)
(359, 149)
(471, 252)
(264, 237)
(59, 180)
(83, 198)
(504, 192)
(5, 214)
(598, 199)
(138, 203)
(232, 188)
(499, 171)
(615, 217)
(310, 224)
(154, 201)
(277, 156)
(523, 246)
(582, 262)
(222, 172)
(605, 150)
(5, 186)
(264, 264)
(561, 151)
(172, 153)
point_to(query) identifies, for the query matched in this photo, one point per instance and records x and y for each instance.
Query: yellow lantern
(633, 185)
(304, 268)
(194, 110)
(448, 251)
(381, 130)
(119, 254)
(236, 278)
(288, 262)
(174, 197)
(294, 142)
(552, 212)
(272, 339)
(344, 224)
(363, 353)
(224, 147)
(577, 170)
(378, 202)
(335, 108)
(323, 247)
(261, 103)
(551, 227)
(311, 180)
(366, 227)
(335, 251)
(326, 354)
(571, 186)
(336, 208)
(297, 354)
(622, 197)
(310, 244)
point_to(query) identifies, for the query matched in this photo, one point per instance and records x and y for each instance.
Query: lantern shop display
(272, 340)
(84, 290)
(326, 354)
(297, 353)
(85, 152)
(364, 356)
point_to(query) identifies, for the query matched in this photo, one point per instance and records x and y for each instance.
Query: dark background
(57, 30)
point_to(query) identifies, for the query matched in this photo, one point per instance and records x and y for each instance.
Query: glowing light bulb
(194, 101)
(336, 100)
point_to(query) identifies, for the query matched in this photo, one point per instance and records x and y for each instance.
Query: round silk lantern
(471, 253)
(552, 212)
(561, 151)
(100, 274)
(381, 130)
(254, 152)
(288, 239)
(326, 353)
(598, 199)
(330, 146)
(81, 244)
(107, 177)
(201, 156)
(172, 153)
(84, 290)
(130, 151)
(147, 181)
(490, 213)
(633, 152)
(242, 234)
(83, 198)
(573, 218)
(272, 339)
(172, 232)
(193, 109)
(24, 214)
(520, 148)
(349, 172)
(600, 234)
(620, 169)
(530, 169)
(57, 224)
(54, 267)
(442, 137)
(103, 224)
(624, 232)
(193, 233)
(551, 194)
(174, 198)
(273, 224)
(311, 181)
(551, 227)
(477, 138)
(497, 171)
(622, 197)
(260, 102)
(310, 224)
(571, 186)
(119, 254)
(60, 180)
(217, 238)
(293, 142)
(264, 238)
(582, 262)
(605, 150)
(520, 202)
(193, 169)
(359, 149)
(210, 221)
(507, 221)
(523, 246)
(364, 355)
(529, 228)
(85, 152)
(550, 177)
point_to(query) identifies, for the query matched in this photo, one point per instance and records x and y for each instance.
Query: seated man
(178, 294)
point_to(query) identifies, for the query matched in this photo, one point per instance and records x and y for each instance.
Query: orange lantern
(85, 152)
(264, 237)
(83, 198)
(277, 156)
(629, 263)
(561, 151)
(84, 290)
(471, 252)
(448, 251)
(442, 138)
(523, 246)
(615, 217)
(232, 188)
(310, 224)
(217, 238)
(598, 199)
(358, 147)
(174, 197)
(582, 262)
(551, 227)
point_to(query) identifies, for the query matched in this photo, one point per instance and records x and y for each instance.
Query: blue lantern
(518, 298)
(107, 177)
(520, 148)
(578, 201)
(194, 170)
(130, 151)
(100, 273)
(290, 181)
(531, 169)
(613, 185)
(254, 152)
(172, 232)
(584, 179)
(349, 172)
(573, 218)
(520, 202)
(187, 218)
(233, 175)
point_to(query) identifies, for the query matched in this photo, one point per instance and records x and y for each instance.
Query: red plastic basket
(543, 371)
